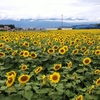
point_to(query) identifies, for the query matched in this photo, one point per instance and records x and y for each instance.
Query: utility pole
(62, 21)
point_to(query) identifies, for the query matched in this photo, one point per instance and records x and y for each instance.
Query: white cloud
(16, 9)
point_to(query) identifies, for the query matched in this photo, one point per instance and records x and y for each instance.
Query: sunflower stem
(24, 93)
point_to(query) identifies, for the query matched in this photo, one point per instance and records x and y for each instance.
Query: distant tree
(10, 25)
(59, 28)
(1, 25)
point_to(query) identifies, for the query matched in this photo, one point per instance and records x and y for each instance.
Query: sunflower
(38, 70)
(83, 48)
(2, 54)
(77, 40)
(44, 79)
(80, 97)
(97, 71)
(39, 45)
(51, 51)
(23, 79)
(62, 51)
(55, 47)
(14, 52)
(11, 73)
(72, 42)
(23, 67)
(86, 61)
(66, 48)
(97, 47)
(16, 39)
(50, 43)
(62, 43)
(75, 77)
(90, 90)
(44, 49)
(21, 53)
(98, 82)
(9, 49)
(67, 75)
(93, 52)
(75, 51)
(20, 44)
(86, 52)
(56, 39)
(66, 41)
(35, 43)
(57, 66)
(55, 77)
(25, 53)
(69, 64)
(10, 80)
(2, 37)
(2, 45)
(97, 52)
(7, 40)
(26, 44)
(33, 55)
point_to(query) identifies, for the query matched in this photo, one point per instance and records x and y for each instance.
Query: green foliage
(75, 79)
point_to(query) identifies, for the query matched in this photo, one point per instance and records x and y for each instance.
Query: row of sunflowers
(53, 65)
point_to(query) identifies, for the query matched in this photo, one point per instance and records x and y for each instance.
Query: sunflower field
(50, 65)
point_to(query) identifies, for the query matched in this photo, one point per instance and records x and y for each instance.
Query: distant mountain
(86, 26)
(44, 23)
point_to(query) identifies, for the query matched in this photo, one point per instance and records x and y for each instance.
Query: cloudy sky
(75, 9)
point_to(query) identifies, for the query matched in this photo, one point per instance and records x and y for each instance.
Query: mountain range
(46, 23)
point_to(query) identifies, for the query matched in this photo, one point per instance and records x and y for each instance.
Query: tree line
(10, 25)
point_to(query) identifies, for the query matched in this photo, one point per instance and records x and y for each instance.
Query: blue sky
(89, 10)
